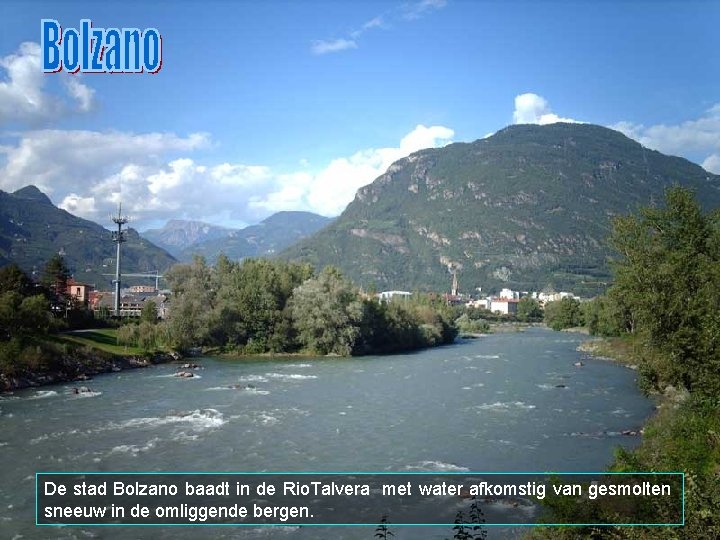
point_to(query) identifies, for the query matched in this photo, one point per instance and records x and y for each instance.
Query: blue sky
(266, 106)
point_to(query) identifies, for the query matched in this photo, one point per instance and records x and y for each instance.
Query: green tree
(146, 336)
(55, 275)
(668, 277)
(327, 313)
(10, 320)
(664, 301)
(127, 335)
(12, 278)
(603, 316)
(529, 310)
(192, 303)
(35, 314)
(10, 353)
(149, 312)
(563, 313)
(23, 316)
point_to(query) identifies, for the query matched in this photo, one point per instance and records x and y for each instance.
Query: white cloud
(72, 160)
(78, 205)
(330, 189)
(701, 135)
(400, 14)
(23, 94)
(533, 109)
(336, 45)
(153, 175)
(375, 22)
(712, 163)
(415, 10)
(84, 95)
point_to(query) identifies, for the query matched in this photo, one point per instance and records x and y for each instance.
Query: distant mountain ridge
(32, 230)
(528, 207)
(179, 234)
(267, 238)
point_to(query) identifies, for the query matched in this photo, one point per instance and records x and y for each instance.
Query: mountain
(528, 207)
(32, 230)
(268, 237)
(178, 234)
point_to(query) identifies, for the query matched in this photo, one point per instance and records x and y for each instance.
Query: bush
(472, 326)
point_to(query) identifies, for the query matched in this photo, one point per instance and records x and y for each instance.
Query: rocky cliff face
(179, 234)
(527, 207)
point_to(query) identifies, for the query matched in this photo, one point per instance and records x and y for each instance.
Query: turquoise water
(490, 404)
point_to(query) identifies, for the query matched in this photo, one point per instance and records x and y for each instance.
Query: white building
(480, 303)
(544, 298)
(509, 293)
(389, 295)
(505, 306)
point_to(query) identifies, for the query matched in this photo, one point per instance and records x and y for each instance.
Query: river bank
(505, 402)
(680, 436)
(610, 349)
(81, 364)
(626, 352)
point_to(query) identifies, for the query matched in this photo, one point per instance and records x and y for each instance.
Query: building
(142, 289)
(505, 306)
(509, 293)
(544, 297)
(80, 292)
(131, 305)
(389, 295)
(480, 303)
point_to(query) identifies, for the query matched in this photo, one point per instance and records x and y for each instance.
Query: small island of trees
(261, 306)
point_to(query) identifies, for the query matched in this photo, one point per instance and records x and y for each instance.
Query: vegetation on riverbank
(661, 315)
(37, 345)
(261, 306)
(104, 339)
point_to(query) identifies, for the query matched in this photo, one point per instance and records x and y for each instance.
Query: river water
(489, 404)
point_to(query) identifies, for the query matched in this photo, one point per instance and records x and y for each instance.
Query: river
(489, 404)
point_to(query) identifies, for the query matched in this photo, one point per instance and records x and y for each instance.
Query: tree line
(662, 312)
(29, 310)
(260, 306)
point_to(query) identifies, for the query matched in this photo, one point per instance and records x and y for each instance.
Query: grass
(623, 350)
(104, 339)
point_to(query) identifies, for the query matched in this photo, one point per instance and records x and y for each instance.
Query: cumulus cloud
(701, 135)
(712, 163)
(84, 95)
(23, 92)
(329, 190)
(78, 205)
(533, 109)
(70, 160)
(336, 45)
(181, 188)
(88, 173)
